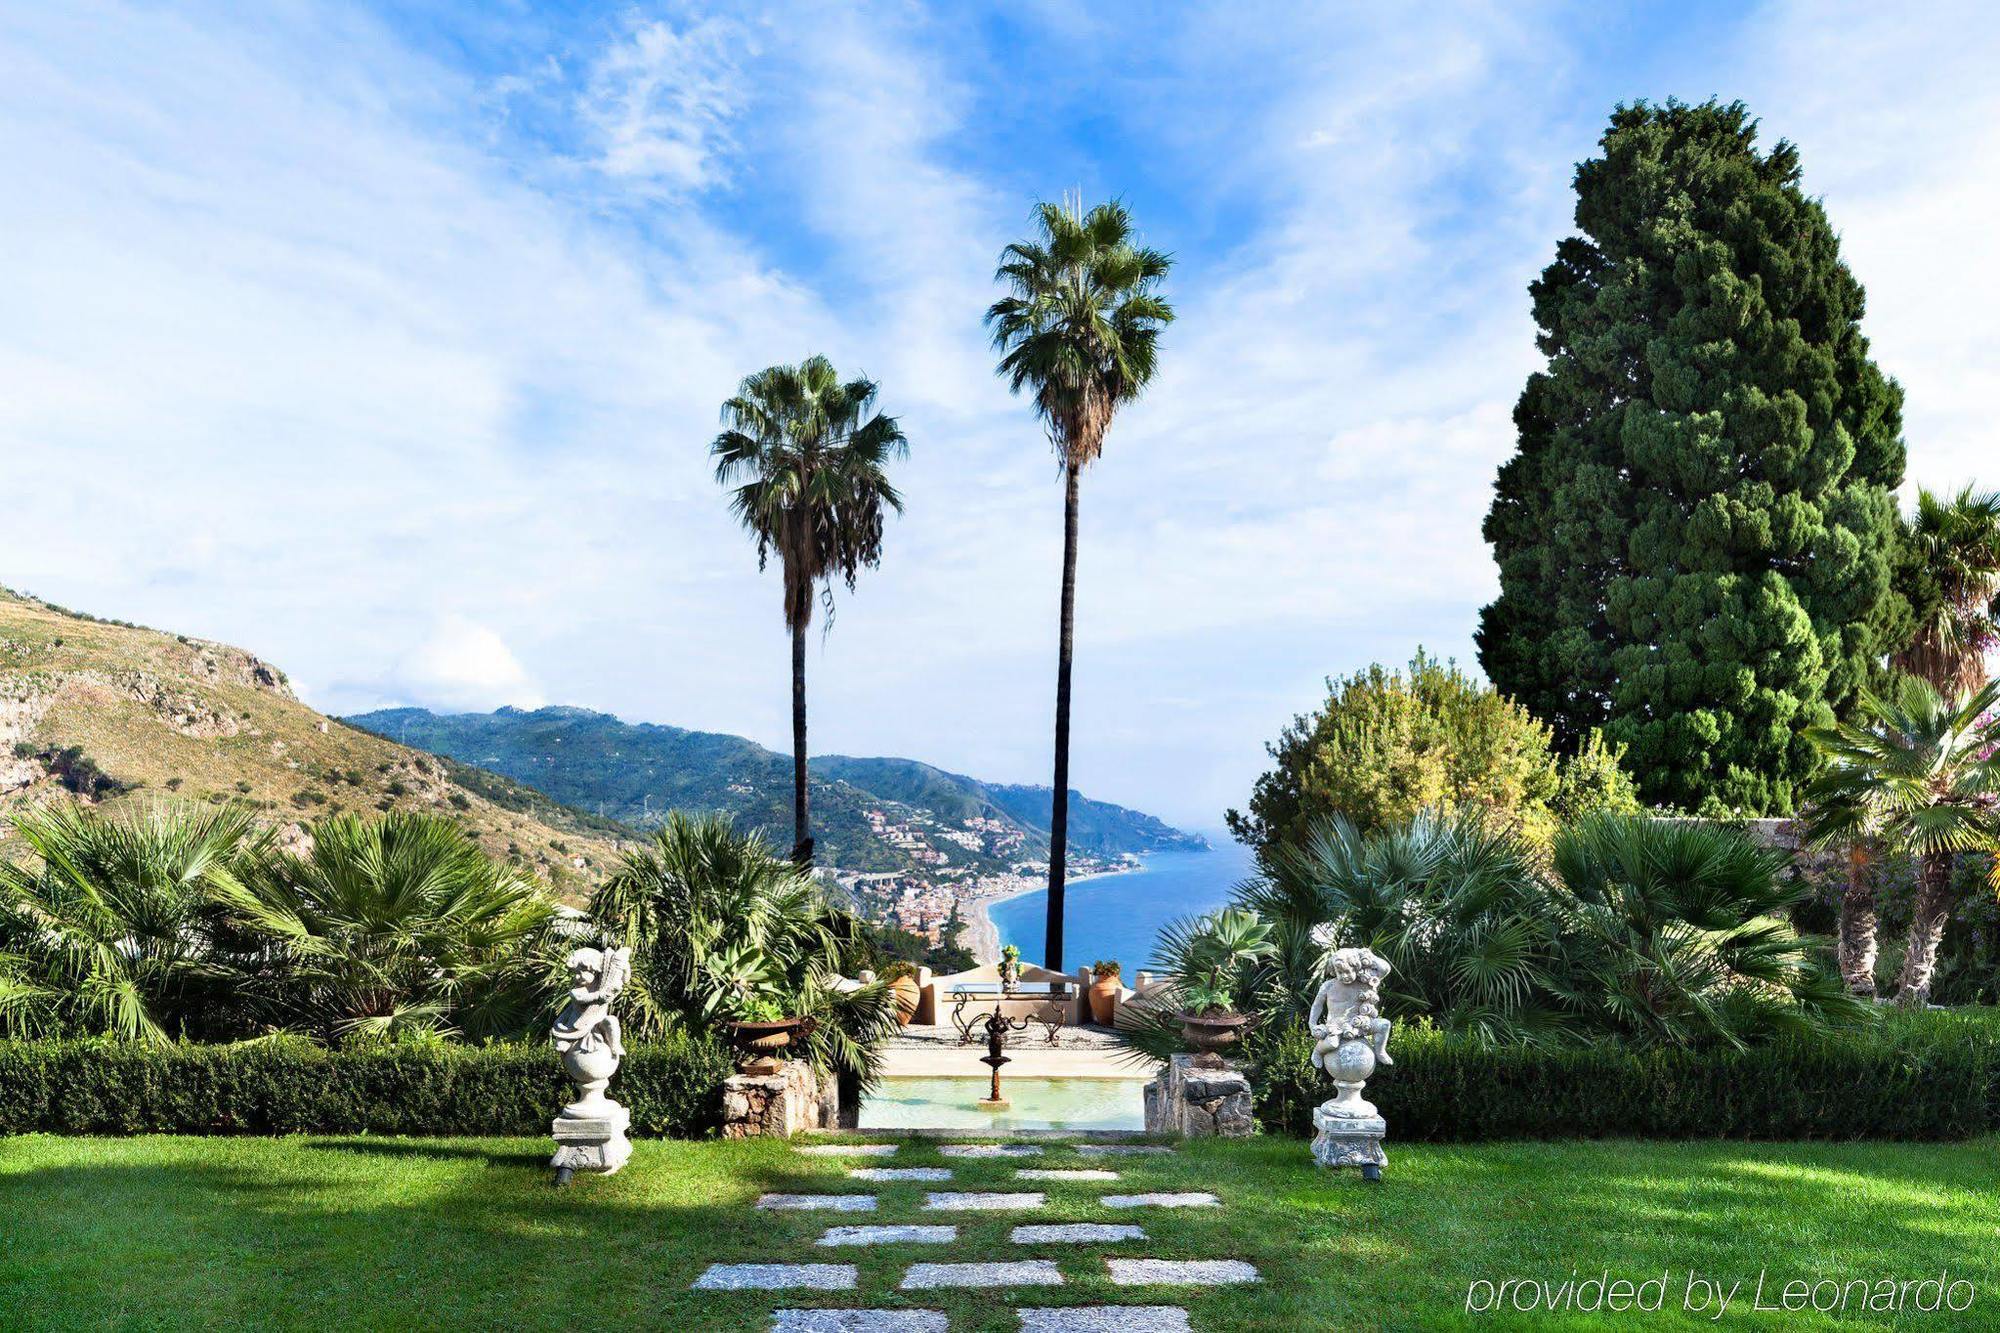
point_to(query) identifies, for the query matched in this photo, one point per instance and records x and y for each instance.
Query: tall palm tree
(114, 927)
(1079, 329)
(1921, 774)
(808, 457)
(1956, 543)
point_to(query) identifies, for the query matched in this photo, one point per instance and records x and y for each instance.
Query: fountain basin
(1031, 1103)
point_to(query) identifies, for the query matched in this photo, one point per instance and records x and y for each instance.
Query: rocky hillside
(113, 714)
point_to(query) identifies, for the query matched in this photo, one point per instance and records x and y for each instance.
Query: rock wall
(1194, 1102)
(791, 1101)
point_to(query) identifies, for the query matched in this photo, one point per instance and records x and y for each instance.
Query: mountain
(870, 816)
(120, 715)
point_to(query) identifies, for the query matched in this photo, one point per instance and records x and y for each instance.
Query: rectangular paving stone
(1020, 1273)
(776, 1277)
(1077, 1233)
(833, 1203)
(976, 1202)
(1191, 1200)
(1123, 1150)
(1180, 1272)
(859, 1321)
(1107, 1319)
(1032, 1174)
(891, 1235)
(900, 1173)
(849, 1150)
(990, 1150)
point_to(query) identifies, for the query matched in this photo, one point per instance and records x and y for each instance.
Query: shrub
(1937, 1077)
(292, 1086)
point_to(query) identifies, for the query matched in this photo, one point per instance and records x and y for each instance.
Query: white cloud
(463, 666)
(660, 98)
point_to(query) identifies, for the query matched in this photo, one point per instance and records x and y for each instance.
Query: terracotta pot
(759, 1041)
(1208, 1035)
(908, 997)
(1104, 1000)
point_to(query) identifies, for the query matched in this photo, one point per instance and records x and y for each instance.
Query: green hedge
(1934, 1076)
(291, 1086)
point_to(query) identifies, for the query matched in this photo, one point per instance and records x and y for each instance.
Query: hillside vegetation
(115, 714)
(869, 815)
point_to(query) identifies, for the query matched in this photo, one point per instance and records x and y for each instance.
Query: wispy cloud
(659, 99)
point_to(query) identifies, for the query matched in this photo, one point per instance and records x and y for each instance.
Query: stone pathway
(985, 1274)
(859, 1321)
(831, 1203)
(889, 1235)
(900, 1173)
(1020, 1273)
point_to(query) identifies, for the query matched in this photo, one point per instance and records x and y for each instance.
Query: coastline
(982, 936)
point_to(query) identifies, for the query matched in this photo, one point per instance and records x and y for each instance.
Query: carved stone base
(591, 1143)
(1195, 1100)
(1345, 1140)
(791, 1101)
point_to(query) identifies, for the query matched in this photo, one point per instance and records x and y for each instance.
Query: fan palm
(112, 926)
(1079, 330)
(1678, 931)
(1956, 543)
(1920, 774)
(808, 459)
(401, 927)
(716, 922)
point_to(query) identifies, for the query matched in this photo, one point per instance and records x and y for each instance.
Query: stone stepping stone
(847, 1150)
(1019, 1273)
(859, 1321)
(776, 1277)
(1192, 1200)
(1123, 1150)
(1180, 1272)
(1031, 1174)
(976, 1202)
(1107, 1319)
(900, 1173)
(1077, 1233)
(892, 1235)
(831, 1203)
(990, 1150)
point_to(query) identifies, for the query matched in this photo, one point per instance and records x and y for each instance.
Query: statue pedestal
(1345, 1139)
(593, 1142)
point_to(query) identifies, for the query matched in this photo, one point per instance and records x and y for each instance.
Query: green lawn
(359, 1232)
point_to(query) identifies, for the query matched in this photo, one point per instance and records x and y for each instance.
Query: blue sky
(389, 343)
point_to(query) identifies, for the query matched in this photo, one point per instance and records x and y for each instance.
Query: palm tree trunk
(1928, 917)
(1857, 925)
(802, 846)
(1052, 949)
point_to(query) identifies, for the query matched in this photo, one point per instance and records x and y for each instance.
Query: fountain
(997, 1028)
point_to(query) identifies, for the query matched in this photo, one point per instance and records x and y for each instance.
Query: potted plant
(1206, 980)
(1010, 968)
(760, 1031)
(1104, 990)
(902, 980)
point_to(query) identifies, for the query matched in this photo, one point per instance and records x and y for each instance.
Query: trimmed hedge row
(291, 1086)
(1933, 1076)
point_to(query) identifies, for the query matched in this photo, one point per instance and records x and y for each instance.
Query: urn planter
(908, 997)
(1104, 999)
(760, 1042)
(1209, 1035)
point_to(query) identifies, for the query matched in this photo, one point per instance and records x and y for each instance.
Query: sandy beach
(982, 937)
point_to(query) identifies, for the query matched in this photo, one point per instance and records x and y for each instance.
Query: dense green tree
(1079, 329)
(1388, 744)
(1694, 535)
(808, 458)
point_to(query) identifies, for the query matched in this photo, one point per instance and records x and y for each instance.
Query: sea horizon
(1119, 915)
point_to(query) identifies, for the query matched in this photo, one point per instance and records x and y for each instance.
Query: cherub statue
(586, 1024)
(1349, 1004)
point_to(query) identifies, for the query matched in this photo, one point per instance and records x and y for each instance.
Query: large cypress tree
(1695, 534)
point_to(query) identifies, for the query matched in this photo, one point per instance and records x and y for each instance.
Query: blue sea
(1118, 916)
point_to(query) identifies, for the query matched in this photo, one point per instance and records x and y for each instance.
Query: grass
(393, 1233)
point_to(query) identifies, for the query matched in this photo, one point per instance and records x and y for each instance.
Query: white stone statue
(1351, 1037)
(590, 1132)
